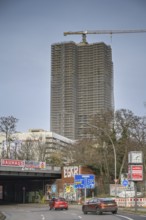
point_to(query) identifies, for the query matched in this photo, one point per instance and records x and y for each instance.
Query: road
(42, 212)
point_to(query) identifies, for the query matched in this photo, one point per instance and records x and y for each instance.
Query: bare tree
(122, 129)
(127, 130)
(26, 151)
(55, 159)
(121, 132)
(41, 151)
(85, 152)
(40, 148)
(8, 127)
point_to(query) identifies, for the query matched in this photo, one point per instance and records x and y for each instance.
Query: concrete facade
(81, 86)
(52, 142)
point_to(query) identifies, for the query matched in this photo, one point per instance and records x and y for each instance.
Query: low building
(40, 140)
(66, 185)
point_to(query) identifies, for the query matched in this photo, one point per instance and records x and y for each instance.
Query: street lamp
(115, 156)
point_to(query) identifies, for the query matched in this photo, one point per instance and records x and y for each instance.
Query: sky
(28, 28)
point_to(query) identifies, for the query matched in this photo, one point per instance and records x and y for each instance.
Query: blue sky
(29, 27)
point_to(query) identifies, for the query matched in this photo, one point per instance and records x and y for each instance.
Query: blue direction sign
(125, 183)
(84, 181)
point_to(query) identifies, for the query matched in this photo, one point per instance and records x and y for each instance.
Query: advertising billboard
(12, 163)
(135, 172)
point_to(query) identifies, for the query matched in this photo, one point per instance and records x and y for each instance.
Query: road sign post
(125, 183)
(84, 181)
(135, 169)
(23, 188)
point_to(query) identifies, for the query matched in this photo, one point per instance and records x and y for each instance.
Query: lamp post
(115, 156)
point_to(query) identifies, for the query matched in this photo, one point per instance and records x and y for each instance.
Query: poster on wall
(35, 164)
(69, 192)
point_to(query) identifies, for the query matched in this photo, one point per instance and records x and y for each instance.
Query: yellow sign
(67, 189)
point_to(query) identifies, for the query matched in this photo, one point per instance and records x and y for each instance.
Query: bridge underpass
(18, 185)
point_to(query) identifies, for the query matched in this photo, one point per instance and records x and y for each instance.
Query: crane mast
(111, 32)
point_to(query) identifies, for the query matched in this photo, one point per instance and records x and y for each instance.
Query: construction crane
(84, 33)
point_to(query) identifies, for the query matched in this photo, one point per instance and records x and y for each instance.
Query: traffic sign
(84, 181)
(125, 183)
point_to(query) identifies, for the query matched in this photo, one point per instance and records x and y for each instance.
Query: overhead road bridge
(52, 172)
(25, 182)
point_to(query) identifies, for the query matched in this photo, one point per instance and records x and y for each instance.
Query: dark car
(58, 203)
(100, 205)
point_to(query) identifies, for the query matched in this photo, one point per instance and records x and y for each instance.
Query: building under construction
(81, 85)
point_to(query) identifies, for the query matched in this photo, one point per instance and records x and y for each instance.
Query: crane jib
(106, 32)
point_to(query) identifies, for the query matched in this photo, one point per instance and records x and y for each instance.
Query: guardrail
(130, 202)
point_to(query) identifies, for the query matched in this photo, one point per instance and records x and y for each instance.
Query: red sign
(135, 172)
(12, 163)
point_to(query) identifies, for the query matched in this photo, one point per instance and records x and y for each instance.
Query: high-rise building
(81, 85)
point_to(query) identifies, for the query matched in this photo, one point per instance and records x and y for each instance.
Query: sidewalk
(132, 209)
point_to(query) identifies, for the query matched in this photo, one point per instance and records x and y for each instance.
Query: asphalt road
(42, 212)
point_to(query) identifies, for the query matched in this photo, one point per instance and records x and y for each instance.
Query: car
(58, 203)
(100, 205)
